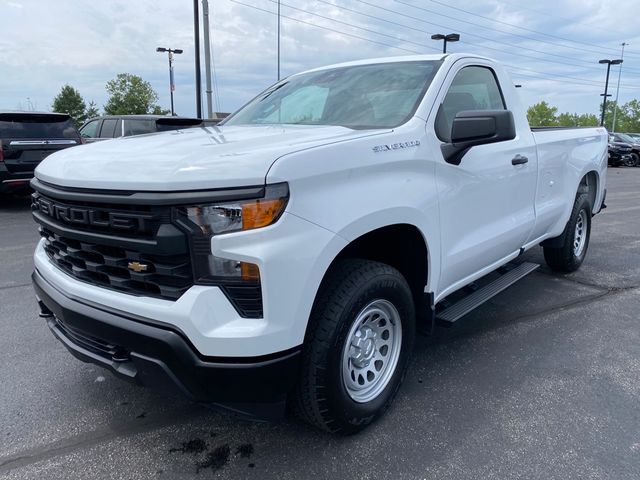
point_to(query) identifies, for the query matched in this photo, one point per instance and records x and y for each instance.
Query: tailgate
(26, 138)
(24, 155)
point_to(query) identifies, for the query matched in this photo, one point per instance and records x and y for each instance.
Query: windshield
(382, 95)
(30, 126)
(626, 138)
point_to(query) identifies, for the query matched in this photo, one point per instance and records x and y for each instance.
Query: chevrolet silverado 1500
(292, 252)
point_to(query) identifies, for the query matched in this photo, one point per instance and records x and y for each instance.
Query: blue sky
(552, 48)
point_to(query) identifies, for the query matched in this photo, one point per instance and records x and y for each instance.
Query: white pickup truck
(292, 252)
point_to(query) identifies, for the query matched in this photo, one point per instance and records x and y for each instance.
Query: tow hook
(44, 310)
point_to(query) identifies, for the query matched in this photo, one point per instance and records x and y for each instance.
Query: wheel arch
(400, 245)
(589, 184)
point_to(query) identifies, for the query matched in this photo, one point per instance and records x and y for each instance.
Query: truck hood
(190, 159)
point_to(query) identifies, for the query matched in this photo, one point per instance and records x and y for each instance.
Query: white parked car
(293, 251)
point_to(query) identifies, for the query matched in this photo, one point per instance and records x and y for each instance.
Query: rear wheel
(571, 254)
(357, 348)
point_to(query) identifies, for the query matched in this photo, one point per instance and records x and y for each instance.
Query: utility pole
(196, 35)
(207, 56)
(615, 109)
(278, 40)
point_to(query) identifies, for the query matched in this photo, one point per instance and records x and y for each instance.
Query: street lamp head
(453, 37)
(178, 50)
(438, 36)
(161, 49)
(611, 62)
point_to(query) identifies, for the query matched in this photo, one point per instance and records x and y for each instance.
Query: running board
(477, 298)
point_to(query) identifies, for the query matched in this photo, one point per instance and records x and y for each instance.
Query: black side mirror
(477, 127)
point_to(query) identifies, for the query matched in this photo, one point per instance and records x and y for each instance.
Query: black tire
(632, 160)
(321, 396)
(564, 259)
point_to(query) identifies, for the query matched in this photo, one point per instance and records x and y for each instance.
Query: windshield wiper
(274, 90)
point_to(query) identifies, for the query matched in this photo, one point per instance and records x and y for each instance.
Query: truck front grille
(130, 271)
(129, 246)
(132, 249)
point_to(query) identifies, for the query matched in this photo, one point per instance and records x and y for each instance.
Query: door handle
(519, 160)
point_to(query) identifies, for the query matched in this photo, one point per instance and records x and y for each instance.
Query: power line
(502, 51)
(375, 32)
(496, 30)
(577, 81)
(375, 18)
(500, 31)
(326, 28)
(547, 14)
(549, 76)
(516, 26)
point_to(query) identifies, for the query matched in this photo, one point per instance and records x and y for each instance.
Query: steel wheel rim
(580, 235)
(371, 351)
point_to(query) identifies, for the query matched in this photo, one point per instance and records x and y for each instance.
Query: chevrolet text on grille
(92, 216)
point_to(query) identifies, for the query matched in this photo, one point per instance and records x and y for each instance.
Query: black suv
(114, 126)
(634, 143)
(619, 153)
(28, 137)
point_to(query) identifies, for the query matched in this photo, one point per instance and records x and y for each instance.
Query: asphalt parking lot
(541, 382)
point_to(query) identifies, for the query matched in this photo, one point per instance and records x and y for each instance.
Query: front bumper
(144, 352)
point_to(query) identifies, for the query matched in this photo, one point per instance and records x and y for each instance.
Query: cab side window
(473, 88)
(108, 129)
(90, 130)
(139, 127)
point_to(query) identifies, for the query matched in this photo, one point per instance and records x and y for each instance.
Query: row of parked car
(28, 137)
(624, 149)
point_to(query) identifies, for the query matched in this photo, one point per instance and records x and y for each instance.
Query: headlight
(239, 280)
(220, 218)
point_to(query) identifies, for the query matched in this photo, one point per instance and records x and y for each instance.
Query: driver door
(486, 202)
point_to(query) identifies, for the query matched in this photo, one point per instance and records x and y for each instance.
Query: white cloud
(47, 44)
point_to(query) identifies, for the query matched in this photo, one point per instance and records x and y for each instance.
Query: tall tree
(92, 110)
(158, 110)
(622, 118)
(576, 120)
(129, 95)
(70, 101)
(632, 112)
(542, 115)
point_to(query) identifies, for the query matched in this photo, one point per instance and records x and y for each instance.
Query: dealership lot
(541, 382)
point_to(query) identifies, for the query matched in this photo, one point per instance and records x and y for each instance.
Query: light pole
(278, 40)
(606, 86)
(615, 110)
(172, 85)
(451, 37)
(207, 57)
(196, 37)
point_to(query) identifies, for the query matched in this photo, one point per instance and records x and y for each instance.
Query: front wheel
(357, 347)
(633, 160)
(571, 254)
